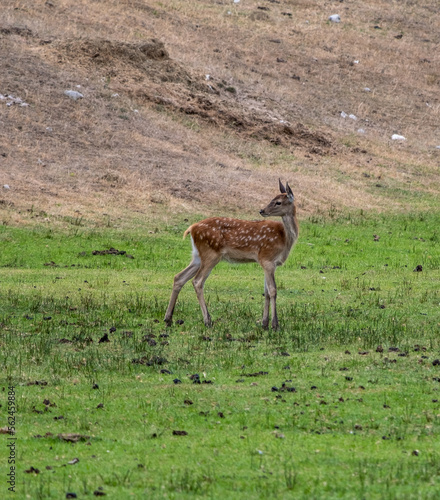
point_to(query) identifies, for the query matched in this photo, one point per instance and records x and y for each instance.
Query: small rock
(6, 186)
(73, 94)
(335, 18)
(397, 137)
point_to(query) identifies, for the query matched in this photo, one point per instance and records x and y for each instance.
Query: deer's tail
(186, 232)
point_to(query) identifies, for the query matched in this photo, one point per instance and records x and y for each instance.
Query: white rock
(73, 94)
(397, 137)
(13, 100)
(236, 1)
(356, 62)
(343, 114)
(361, 131)
(367, 89)
(115, 95)
(352, 117)
(6, 186)
(335, 18)
(207, 77)
(437, 147)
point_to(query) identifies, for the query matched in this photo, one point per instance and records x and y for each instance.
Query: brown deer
(266, 242)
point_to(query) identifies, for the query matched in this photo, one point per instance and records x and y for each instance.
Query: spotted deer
(239, 241)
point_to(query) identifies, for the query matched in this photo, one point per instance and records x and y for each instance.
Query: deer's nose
(262, 211)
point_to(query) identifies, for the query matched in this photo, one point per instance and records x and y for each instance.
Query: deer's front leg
(271, 296)
(265, 322)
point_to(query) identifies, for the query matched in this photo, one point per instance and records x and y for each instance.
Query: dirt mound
(146, 72)
(224, 111)
(131, 62)
(105, 51)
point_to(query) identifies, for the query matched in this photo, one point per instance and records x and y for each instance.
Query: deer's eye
(278, 203)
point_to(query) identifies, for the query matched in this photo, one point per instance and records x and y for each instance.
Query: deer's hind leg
(208, 264)
(179, 280)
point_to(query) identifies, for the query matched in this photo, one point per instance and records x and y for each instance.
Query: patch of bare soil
(147, 73)
(200, 107)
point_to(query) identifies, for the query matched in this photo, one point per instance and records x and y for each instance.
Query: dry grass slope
(155, 135)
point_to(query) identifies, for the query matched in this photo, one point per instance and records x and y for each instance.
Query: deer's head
(282, 204)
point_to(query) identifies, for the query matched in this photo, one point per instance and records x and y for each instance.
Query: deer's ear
(282, 188)
(289, 192)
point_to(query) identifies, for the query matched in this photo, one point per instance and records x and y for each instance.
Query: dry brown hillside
(199, 106)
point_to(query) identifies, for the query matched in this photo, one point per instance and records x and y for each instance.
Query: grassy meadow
(341, 402)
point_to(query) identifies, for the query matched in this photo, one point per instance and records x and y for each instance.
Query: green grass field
(341, 402)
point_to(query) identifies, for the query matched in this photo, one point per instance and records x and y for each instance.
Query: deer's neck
(291, 228)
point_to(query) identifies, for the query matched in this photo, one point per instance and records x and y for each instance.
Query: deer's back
(238, 240)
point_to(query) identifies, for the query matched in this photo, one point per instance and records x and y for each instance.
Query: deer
(266, 242)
